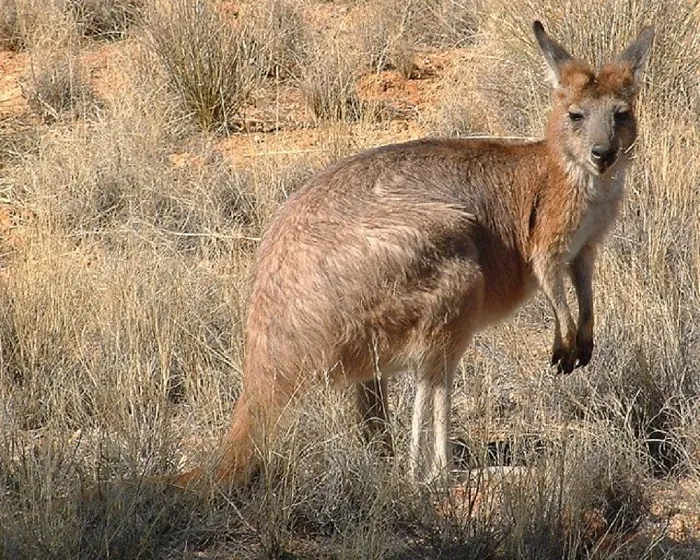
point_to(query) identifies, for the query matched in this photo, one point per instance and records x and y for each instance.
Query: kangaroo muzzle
(603, 156)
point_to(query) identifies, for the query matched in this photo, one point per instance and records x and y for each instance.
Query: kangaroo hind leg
(421, 427)
(442, 407)
(431, 454)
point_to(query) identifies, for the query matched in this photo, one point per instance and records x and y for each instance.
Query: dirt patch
(675, 512)
(12, 66)
(107, 68)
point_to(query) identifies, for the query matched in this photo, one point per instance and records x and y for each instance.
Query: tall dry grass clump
(23, 23)
(385, 42)
(391, 32)
(281, 36)
(329, 83)
(105, 19)
(56, 85)
(13, 25)
(207, 61)
(438, 24)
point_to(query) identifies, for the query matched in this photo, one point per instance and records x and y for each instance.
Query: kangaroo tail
(237, 457)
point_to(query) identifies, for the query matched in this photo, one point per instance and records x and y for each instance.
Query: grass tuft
(207, 61)
(105, 19)
(281, 36)
(25, 24)
(56, 86)
(329, 85)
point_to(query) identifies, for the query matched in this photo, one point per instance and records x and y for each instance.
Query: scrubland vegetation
(150, 145)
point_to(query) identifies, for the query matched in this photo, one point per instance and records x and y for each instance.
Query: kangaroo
(389, 261)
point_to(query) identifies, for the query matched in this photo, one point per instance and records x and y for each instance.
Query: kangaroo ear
(637, 53)
(555, 55)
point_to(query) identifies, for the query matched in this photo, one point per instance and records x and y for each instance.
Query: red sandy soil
(12, 66)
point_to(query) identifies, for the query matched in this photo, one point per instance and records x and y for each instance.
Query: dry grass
(329, 83)
(105, 19)
(56, 85)
(282, 37)
(384, 41)
(392, 31)
(25, 24)
(207, 62)
(11, 25)
(441, 24)
(122, 305)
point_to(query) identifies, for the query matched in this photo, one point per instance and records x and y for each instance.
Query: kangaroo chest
(598, 215)
(594, 222)
(586, 228)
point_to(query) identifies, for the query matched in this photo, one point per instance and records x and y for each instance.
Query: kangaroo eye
(622, 116)
(575, 116)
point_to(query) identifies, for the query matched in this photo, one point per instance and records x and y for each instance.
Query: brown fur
(390, 260)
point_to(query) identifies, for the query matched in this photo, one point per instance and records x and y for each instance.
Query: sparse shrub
(375, 35)
(56, 86)
(329, 84)
(393, 30)
(25, 23)
(105, 19)
(281, 36)
(10, 34)
(207, 61)
(384, 42)
(402, 56)
(442, 23)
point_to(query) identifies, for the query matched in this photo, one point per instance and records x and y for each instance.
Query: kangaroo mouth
(599, 165)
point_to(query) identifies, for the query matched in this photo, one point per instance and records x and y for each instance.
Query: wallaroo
(391, 260)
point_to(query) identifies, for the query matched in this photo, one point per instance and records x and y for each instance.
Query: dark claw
(563, 360)
(567, 366)
(584, 351)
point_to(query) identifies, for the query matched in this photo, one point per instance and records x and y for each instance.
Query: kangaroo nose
(603, 154)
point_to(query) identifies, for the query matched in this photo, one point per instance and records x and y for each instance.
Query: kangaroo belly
(508, 280)
(502, 298)
(380, 298)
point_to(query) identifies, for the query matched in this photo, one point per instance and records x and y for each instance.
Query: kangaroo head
(592, 122)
